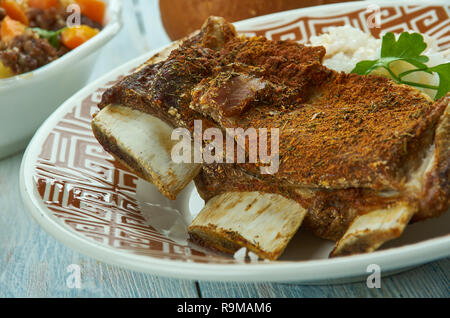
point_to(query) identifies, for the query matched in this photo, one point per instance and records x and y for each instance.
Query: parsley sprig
(51, 36)
(409, 48)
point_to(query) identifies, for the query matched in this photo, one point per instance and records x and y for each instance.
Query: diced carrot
(14, 10)
(11, 28)
(93, 9)
(75, 36)
(43, 4)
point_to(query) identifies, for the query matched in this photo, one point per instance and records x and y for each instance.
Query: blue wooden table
(34, 264)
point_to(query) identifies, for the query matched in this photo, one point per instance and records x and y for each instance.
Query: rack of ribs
(359, 156)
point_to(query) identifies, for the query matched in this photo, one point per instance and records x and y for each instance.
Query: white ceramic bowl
(27, 100)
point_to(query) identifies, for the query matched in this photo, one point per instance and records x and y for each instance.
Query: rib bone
(263, 223)
(143, 143)
(369, 231)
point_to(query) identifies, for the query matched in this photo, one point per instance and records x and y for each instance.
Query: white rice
(253, 257)
(240, 254)
(346, 46)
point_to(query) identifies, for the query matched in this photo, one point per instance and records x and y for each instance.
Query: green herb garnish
(51, 36)
(408, 48)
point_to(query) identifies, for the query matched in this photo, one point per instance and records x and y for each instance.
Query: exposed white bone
(369, 231)
(263, 223)
(143, 143)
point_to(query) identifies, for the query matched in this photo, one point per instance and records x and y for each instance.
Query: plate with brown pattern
(79, 194)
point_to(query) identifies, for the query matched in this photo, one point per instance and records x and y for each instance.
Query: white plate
(85, 199)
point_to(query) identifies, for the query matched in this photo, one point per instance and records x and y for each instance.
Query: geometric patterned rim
(95, 196)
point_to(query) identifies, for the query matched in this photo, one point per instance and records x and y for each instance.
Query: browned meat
(329, 211)
(230, 93)
(55, 19)
(349, 144)
(158, 88)
(435, 195)
(336, 130)
(25, 53)
(48, 19)
(89, 22)
(347, 137)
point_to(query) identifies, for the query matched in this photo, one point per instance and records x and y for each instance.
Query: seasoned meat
(336, 130)
(431, 181)
(351, 146)
(230, 93)
(27, 52)
(55, 19)
(158, 88)
(89, 22)
(48, 19)
(62, 50)
(348, 136)
(329, 212)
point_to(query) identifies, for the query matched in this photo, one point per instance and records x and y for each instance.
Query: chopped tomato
(14, 10)
(75, 36)
(93, 9)
(43, 4)
(11, 28)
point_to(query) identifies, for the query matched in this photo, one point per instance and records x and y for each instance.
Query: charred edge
(111, 146)
(227, 242)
